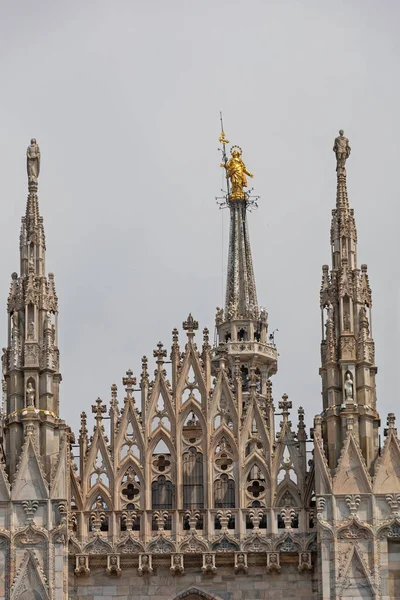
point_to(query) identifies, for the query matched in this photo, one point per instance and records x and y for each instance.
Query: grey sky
(124, 98)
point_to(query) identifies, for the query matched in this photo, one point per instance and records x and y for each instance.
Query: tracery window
(130, 488)
(256, 485)
(193, 495)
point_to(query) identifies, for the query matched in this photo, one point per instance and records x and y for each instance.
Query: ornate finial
(285, 405)
(190, 325)
(391, 420)
(114, 398)
(301, 428)
(175, 334)
(83, 430)
(129, 381)
(269, 391)
(99, 409)
(144, 375)
(341, 148)
(206, 339)
(160, 353)
(222, 139)
(350, 423)
(33, 164)
(318, 425)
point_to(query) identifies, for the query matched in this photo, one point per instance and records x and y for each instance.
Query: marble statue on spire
(341, 148)
(33, 161)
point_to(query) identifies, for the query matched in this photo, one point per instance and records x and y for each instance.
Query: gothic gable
(29, 481)
(351, 476)
(355, 581)
(387, 477)
(30, 582)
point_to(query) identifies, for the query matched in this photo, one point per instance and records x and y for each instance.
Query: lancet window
(162, 494)
(224, 492)
(193, 493)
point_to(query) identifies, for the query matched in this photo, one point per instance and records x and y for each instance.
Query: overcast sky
(124, 99)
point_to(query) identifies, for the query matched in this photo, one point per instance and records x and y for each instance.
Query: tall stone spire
(242, 326)
(347, 350)
(31, 359)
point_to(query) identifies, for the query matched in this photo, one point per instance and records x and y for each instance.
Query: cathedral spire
(242, 326)
(31, 359)
(347, 351)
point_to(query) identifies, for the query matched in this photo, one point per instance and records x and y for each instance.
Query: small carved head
(113, 560)
(304, 557)
(145, 559)
(273, 558)
(209, 559)
(240, 558)
(82, 560)
(341, 132)
(33, 141)
(177, 559)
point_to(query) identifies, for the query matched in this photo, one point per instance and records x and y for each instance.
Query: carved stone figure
(33, 161)
(14, 320)
(346, 321)
(4, 362)
(341, 148)
(145, 562)
(177, 564)
(241, 562)
(273, 562)
(31, 331)
(304, 561)
(219, 317)
(330, 311)
(236, 171)
(209, 563)
(113, 565)
(348, 387)
(30, 395)
(82, 565)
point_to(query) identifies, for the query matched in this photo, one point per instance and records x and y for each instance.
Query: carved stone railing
(252, 347)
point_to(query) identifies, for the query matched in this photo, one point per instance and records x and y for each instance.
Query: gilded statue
(33, 161)
(236, 171)
(341, 148)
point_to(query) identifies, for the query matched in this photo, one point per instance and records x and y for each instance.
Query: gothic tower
(347, 350)
(243, 326)
(35, 442)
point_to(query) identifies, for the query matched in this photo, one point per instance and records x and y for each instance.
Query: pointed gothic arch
(98, 490)
(287, 486)
(194, 593)
(226, 433)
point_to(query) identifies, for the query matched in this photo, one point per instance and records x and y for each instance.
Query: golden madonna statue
(236, 171)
